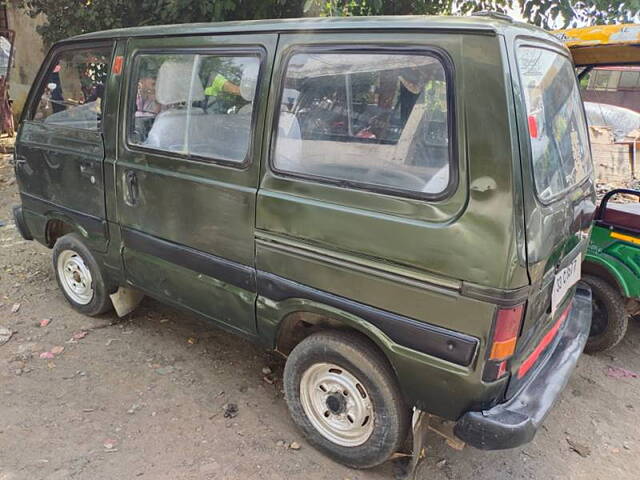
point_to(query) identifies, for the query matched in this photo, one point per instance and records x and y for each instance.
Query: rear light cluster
(544, 343)
(505, 337)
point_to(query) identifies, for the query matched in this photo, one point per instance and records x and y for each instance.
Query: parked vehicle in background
(607, 60)
(614, 271)
(330, 189)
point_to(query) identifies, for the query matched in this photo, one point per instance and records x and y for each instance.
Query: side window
(555, 116)
(195, 105)
(377, 120)
(72, 91)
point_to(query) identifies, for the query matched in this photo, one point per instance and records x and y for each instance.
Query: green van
(398, 205)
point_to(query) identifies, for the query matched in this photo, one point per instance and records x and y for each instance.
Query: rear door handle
(131, 190)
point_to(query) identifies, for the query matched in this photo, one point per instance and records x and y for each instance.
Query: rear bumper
(516, 421)
(21, 225)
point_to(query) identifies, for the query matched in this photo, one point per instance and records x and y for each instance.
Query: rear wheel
(343, 395)
(609, 317)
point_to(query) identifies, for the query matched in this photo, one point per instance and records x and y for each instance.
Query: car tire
(344, 396)
(609, 316)
(79, 276)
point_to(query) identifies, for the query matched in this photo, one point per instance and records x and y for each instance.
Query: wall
(28, 55)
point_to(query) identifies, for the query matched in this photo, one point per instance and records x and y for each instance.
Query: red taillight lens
(544, 343)
(505, 334)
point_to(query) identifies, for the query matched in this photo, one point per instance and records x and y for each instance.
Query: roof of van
(488, 23)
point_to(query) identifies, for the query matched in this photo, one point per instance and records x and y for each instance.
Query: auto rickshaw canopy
(603, 44)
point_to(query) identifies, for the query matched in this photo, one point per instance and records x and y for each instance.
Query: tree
(544, 13)
(65, 18)
(72, 17)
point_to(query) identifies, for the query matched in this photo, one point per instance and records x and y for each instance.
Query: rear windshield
(557, 128)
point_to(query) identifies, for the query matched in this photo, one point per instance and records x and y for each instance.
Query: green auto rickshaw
(612, 268)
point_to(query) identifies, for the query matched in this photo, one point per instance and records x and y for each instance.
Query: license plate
(565, 279)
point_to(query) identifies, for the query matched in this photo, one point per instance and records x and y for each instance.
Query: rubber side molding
(449, 345)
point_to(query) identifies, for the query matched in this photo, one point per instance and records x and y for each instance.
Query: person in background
(146, 104)
(221, 84)
(56, 97)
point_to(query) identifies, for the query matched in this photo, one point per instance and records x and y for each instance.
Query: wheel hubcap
(337, 404)
(75, 277)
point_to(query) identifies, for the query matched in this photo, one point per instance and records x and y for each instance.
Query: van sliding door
(187, 171)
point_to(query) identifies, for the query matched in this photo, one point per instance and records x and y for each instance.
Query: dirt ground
(144, 397)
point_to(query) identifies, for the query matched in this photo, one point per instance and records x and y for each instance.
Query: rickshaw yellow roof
(603, 44)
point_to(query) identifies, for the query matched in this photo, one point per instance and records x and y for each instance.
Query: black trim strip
(227, 271)
(499, 296)
(91, 224)
(439, 342)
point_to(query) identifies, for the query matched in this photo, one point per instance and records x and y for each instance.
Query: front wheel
(79, 276)
(609, 317)
(343, 395)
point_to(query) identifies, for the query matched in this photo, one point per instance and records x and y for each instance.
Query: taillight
(503, 343)
(505, 333)
(544, 343)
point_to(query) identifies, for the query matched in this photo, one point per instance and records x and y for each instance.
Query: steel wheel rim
(337, 404)
(75, 277)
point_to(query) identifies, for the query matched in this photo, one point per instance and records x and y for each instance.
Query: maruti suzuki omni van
(398, 205)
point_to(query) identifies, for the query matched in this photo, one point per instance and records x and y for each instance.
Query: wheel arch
(302, 318)
(602, 268)
(58, 226)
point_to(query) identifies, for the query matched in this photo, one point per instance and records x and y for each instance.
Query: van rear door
(558, 193)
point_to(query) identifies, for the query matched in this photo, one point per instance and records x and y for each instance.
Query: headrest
(174, 81)
(249, 80)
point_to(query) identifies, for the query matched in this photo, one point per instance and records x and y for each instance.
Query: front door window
(72, 92)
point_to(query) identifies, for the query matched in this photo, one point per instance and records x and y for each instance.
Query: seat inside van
(185, 125)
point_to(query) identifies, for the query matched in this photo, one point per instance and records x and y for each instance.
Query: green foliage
(65, 18)
(545, 13)
(72, 17)
(567, 13)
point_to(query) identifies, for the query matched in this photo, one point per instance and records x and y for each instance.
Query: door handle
(17, 161)
(132, 190)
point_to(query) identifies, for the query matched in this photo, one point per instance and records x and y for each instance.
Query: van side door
(187, 170)
(60, 148)
(360, 195)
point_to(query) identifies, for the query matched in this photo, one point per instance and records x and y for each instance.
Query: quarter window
(195, 105)
(72, 93)
(374, 120)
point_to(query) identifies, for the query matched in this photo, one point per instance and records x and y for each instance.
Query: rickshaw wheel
(609, 320)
